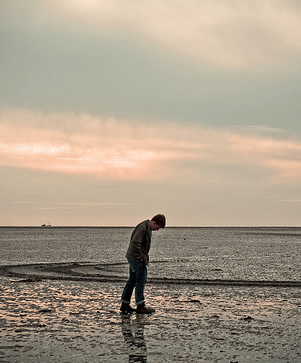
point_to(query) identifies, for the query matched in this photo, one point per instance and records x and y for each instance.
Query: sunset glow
(112, 149)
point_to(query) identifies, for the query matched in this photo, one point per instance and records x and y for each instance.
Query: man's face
(155, 227)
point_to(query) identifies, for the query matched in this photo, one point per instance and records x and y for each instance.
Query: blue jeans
(137, 280)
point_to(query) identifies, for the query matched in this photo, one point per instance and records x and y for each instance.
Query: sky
(112, 111)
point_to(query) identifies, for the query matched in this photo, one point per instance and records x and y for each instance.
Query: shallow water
(67, 321)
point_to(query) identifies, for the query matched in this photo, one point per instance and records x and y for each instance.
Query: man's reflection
(133, 332)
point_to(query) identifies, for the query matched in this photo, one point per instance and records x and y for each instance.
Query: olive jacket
(140, 242)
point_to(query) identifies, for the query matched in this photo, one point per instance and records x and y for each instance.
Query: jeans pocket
(134, 264)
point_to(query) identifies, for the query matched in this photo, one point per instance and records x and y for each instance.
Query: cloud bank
(138, 150)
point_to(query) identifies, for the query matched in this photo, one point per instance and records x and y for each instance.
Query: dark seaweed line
(38, 276)
(228, 282)
(242, 283)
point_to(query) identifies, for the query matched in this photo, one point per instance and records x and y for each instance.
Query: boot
(142, 309)
(126, 308)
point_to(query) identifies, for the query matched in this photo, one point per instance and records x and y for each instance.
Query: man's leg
(128, 291)
(141, 277)
(129, 287)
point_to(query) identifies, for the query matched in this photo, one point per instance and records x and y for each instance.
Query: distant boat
(46, 225)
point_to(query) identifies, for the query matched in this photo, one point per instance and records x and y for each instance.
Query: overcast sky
(113, 111)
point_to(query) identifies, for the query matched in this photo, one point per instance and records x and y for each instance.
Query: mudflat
(44, 320)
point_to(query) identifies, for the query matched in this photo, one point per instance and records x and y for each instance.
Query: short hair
(160, 220)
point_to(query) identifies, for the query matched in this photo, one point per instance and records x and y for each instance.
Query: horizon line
(131, 226)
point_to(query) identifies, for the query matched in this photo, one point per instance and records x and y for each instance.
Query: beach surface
(72, 320)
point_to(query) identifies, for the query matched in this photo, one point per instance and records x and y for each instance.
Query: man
(138, 258)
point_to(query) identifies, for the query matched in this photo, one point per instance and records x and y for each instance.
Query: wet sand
(56, 319)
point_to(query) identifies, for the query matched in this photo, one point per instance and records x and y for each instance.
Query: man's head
(157, 222)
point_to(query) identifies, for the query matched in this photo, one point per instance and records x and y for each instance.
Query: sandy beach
(55, 320)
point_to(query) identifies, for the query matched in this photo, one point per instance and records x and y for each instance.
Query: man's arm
(136, 242)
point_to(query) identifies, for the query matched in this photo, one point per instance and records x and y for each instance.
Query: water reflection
(132, 328)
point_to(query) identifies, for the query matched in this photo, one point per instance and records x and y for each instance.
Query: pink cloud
(132, 150)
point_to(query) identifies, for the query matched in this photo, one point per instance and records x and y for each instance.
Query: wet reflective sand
(56, 320)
